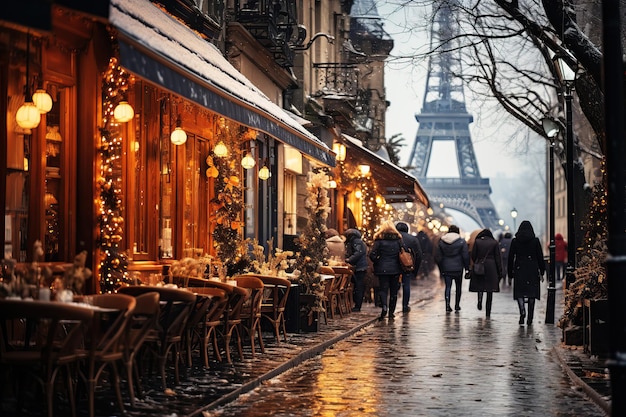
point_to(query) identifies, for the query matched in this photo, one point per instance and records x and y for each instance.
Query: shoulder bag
(479, 266)
(406, 259)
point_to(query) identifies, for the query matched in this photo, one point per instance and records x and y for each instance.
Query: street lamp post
(613, 72)
(514, 215)
(551, 129)
(568, 76)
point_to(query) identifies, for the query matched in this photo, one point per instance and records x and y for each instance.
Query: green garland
(114, 265)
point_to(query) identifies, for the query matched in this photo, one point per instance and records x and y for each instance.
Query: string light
(113, 266)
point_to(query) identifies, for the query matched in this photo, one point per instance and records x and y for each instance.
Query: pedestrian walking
(560, 255)
(356, 256)
(452, 258)
(526, 267)
(336, 246)
(413, 245)
(486, 250)
(505, 246)
(384, 255)
(427, 253)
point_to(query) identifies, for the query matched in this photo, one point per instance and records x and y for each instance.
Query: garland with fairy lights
(114, 264)
(227, 205)
(372, 214)
(591, 281)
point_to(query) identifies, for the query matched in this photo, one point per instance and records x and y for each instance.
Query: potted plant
(589, 290)
(311, 246)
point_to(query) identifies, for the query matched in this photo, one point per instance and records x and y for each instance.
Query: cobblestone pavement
(426, 363)
(430, 363)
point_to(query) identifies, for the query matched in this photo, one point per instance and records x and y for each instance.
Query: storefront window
(195, 206)
(55, 144)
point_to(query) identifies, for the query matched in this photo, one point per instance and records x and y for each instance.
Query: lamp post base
(550, 304)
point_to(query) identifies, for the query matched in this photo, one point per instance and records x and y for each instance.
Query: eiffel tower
(445, 118)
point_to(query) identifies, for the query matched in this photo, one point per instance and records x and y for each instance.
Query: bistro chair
(166, 338)
(329, 288)
(348, 288)
(339, 294)
(251, 309)
(205, 318)
(39, 339)
(232, 315)
(142, 321)
(275, 297)
(207, 330)
(188, 282)
(104, 344)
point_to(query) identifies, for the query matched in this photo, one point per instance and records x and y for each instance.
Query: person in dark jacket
(356, 255)
(384, 255)
(411, 244)
(526, 266)
(505, 246)
(427, 254)
(486, 249)
(452, 257)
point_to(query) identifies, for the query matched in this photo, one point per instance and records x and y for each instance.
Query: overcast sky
(516, 170)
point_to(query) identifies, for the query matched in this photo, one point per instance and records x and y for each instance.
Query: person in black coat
(452, 258)
(411, 244)
(526, 267)
(427, 253)
(487, 250)
(356, 255)
(505, 245)
(384, 255)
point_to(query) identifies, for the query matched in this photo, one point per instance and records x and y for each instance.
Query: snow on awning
(395, 184)
(156, 47)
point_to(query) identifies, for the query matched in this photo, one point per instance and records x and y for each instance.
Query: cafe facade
(148, 141)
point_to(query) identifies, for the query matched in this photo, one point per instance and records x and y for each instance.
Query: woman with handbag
(526, 266)
(385, 256)
(487, 268)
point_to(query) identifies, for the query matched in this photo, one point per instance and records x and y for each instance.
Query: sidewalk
(587, 373)
(202, 390)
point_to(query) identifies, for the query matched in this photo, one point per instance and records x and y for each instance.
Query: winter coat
(486, 248)
(505, 246)
(526, 265)
(384, 255)
(336, 247)
(356, 250)
(560, 248)
(452, 254)
(412, 244)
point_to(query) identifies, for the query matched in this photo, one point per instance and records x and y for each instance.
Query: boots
(480, 301)
(393, 300)
(448, 308)
(522, 311)
(457, 301)
(488, 304)
(531, 310)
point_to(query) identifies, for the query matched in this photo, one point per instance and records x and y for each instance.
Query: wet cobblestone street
(430, 363)
(425, 363)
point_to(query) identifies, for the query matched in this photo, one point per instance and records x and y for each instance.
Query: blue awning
(155, 47)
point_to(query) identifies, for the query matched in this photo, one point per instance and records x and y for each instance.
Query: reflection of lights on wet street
(340, 378)
(429, 363)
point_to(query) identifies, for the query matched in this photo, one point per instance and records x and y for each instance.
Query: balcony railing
(273, 23)
(337, 79)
